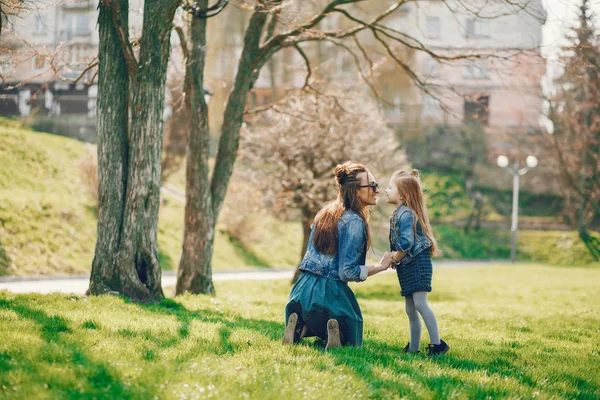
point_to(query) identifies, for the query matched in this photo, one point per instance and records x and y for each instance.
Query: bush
(552, 247)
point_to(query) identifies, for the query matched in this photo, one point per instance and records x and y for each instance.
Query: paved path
(79, 284)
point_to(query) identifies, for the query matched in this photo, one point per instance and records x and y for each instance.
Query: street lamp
(516, 171)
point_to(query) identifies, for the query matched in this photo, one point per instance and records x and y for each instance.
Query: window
(343, 64)
(7, 66)
(40, 26)
(76, 55)
(432, 27)
(77, 25)
(396, 110)
(39, 62)
(82, 25)
(432, 68)
(477, 70)
(432, 109)
(477, 109)
(477, 28)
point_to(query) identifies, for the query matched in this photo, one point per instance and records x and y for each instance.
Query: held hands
(387, 260)
(396, 257)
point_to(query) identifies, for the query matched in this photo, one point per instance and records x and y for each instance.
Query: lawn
(48, 218)
(523, 331)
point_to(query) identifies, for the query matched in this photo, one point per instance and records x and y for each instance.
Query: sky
(562, 15)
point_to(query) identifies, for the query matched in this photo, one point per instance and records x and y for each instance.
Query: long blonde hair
(410, 190)
(347, 181)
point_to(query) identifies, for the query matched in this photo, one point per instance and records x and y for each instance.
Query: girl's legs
(420, 303)
(414, 323)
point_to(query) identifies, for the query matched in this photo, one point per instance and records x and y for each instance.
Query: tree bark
(113, 149)
(307, 219)
(129, 160)
(195, 269)
(204, 202)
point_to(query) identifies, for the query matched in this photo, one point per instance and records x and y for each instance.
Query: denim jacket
(402, 234)
(348, 262)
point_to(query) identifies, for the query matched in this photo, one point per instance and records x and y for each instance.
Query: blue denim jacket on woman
(402, 234)
(348, 262)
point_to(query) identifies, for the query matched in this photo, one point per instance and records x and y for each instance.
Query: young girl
(413, 244)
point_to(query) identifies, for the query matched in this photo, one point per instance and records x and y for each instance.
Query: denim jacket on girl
(348, 262)
(402, 234)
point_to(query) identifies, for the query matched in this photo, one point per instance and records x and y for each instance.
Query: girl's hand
(398, 255)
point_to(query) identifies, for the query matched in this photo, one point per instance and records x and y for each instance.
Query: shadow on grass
(501, 362)
(367, 362)
(101, 380)
(383, 368)
(386, 292)
(249, 257)
(228, 323)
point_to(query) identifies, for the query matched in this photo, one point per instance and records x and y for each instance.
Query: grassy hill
(515, 331)
(48, 221)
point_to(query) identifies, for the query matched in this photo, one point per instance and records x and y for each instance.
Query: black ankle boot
(405, 350)
(437, 349)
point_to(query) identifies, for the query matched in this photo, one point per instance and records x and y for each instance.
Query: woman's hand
(387, 260)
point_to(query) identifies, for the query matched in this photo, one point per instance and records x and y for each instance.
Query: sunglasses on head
(372, 185)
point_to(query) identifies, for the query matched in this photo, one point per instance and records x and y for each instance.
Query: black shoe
(405, 350)
(437, 349)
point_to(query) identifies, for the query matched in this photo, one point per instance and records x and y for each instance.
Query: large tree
(275, 25)
(129, 123)
(575, 141)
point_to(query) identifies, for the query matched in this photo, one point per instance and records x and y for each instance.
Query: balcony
(79, 4)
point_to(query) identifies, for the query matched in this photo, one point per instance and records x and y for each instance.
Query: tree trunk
(203, 205)
(195, 273)
(126, 258)
(307, 219)
(113, 149)
(592, 244)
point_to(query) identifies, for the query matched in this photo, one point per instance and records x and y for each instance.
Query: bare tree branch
(183, 42)
(121, 28)
(93, 64)
(306, 62)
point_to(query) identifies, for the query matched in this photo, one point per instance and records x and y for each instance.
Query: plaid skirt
(416, 275)
(317, 299)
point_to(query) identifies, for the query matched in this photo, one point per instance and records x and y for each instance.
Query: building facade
(46, 49)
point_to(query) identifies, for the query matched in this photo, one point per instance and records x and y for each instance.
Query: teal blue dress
(316, 300)
(322, 293)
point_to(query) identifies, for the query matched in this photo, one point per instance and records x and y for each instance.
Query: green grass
(522, 331)
(272, 249)
(551, 247)
(48, 220)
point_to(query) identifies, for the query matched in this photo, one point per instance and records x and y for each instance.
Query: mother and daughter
(321, 303)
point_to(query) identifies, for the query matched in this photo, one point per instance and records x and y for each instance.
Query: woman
(321, 303)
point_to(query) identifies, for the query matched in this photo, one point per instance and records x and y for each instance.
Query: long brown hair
(347, 182)
(410, 190)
